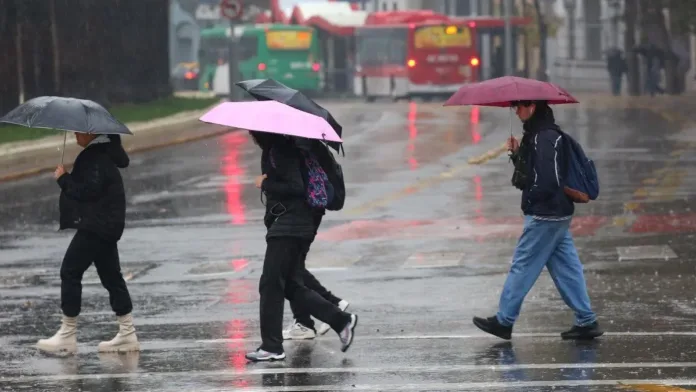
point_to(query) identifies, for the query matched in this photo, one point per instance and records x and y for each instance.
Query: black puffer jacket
(287, 211)
(93, 197)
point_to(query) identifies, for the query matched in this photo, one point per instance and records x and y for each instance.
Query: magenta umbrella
(271, 117)
(502, 91)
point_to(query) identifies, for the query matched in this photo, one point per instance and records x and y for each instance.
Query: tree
(543, 36)
(546, 25)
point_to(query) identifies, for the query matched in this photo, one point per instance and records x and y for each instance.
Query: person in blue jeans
(546, 241)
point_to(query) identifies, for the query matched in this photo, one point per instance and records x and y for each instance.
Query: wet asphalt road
(422, 245)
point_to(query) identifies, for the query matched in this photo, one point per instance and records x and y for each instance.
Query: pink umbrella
(501, 91)
(271, 117)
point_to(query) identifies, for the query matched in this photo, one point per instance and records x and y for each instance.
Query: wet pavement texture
(423, 244)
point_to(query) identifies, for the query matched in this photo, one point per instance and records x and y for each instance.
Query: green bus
(287, 53)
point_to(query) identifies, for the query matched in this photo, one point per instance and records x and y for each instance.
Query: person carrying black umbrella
(93, 201)
(289, 220)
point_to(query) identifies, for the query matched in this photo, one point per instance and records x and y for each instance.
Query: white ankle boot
(125, 339)
(65, 340)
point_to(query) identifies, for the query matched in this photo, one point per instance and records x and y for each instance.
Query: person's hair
(528, 103)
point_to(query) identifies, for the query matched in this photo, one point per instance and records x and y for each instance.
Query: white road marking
(479, 386)
(397, 369)
(645, 252)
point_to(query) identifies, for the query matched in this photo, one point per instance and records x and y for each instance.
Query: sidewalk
(674, 108)
(27, 158)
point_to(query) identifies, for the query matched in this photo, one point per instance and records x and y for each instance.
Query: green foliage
(126, 113)
(682, 15)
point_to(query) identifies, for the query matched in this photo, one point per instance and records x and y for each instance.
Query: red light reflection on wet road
(474, 228)
(474, 124)
(412, 135)
(233, 171)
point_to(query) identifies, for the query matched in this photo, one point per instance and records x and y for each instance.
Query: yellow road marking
(640, 192)
(653, 388)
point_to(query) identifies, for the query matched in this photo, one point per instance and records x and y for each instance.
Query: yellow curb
(48, 168)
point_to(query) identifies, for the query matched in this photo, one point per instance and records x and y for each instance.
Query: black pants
(282, 278)
(299, 312)
(87, 248)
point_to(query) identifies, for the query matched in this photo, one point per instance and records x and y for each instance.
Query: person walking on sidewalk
(93, 201)
(546, 240)
(302, 326)
(290, 230)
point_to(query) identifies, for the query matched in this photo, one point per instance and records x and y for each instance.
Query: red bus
(405, 54)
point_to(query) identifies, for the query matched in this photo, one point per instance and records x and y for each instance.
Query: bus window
(380, 46)
(248, 47)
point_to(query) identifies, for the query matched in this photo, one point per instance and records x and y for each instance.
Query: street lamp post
(570, 11)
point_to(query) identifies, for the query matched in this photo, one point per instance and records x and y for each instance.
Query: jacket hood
(114, 150)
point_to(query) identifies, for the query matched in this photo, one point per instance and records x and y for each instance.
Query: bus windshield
(214, 50)
(442, 37)
(381, 46)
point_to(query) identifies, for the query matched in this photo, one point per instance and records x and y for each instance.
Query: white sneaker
(64, 341)
(125, 340)
(297, 331)
(324, 328)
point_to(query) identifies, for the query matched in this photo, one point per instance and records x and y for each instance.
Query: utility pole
(486, 44)
(507, 9)
(232, 10)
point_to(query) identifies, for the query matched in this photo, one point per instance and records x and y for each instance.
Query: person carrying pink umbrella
(289, 216)
(545, 173)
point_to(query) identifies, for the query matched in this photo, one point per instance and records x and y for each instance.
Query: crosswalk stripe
(368, 370)
(616, 334)
(463, 386)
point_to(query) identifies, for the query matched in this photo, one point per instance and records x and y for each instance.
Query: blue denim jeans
(546, 244)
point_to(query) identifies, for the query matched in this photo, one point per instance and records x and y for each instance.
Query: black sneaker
(587, 332)
(492, 326)
(348, 333)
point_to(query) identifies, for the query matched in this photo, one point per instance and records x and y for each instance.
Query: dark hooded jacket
(92, 196)
(287, 211)
(542, 160)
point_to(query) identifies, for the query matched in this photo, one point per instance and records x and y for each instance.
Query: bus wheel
(427, 98)
(369, 98)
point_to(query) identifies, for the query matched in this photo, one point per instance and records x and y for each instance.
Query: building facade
(590, 29)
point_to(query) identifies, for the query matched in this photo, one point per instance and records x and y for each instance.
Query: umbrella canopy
(273, 90)
(502, 91)
(271, 117)
(65, 114)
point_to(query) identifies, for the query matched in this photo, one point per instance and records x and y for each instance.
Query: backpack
(334, 172)
(581, 181)
(319, 189)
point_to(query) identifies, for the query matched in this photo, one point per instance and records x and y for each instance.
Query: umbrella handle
(65, 139)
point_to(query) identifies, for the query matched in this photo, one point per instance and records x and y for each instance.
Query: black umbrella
(273, 90)
(66, 114)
